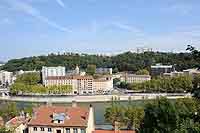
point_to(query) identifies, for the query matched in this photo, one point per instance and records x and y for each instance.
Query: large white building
(6, 78)
(102, 85)
(52, 71)
(133, 78)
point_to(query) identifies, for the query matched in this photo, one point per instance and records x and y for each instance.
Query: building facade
(103, 85)
(6, 78)
(104, 71)
(52, 71)
(159, 70)
(82, 84)
(133, 78)
(61, 119)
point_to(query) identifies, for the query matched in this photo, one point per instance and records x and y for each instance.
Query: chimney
(117, 127)
(74, 104)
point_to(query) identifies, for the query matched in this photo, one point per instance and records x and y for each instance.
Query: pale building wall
(62, 129)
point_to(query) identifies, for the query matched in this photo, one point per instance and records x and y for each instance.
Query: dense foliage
(123, 62)
(158, 116)
(170, 85)
(142, 72)
(29, 83)
(128, 116)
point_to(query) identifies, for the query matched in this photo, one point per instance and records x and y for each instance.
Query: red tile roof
(112, 131)
(76, 116)
(16, 121)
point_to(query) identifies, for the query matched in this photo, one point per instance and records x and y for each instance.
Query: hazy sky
(34, 27)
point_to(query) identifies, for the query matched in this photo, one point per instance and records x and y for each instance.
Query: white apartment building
(102, 85)
(6, 77)
(52, 71)
(133, 78)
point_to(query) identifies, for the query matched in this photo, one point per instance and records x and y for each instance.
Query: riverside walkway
(93, 98)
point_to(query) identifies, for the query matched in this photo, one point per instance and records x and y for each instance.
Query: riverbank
(96, 98)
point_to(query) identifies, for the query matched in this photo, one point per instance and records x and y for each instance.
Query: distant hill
(127, 61)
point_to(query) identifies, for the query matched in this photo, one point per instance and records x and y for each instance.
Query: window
(83, 131)
(35, 129)
(67, 130)
(42, 128)
(49, 130)
(75, 130)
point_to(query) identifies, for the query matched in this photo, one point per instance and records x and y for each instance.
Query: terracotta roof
(76, 116)
(112, 131)
(68, 77)
(16, 121)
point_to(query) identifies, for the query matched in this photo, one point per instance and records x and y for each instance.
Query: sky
(39, 27)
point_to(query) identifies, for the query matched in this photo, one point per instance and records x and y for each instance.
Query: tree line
(158, 116)
(30, 83)
(127, 61)
(163, 84)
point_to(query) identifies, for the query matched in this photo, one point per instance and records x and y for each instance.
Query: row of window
(75, 130)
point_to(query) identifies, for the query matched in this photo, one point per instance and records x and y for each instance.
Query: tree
(133, 117)
(9, 111)
(91, 69)
(4, 130)
(29, 78)
(114, 114)
(142, 72)
(160, 116)
(196, 81)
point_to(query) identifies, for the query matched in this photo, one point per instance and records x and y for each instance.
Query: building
(20, 72)
(173, 74)
(104, 71)
(18, 124)
(103, 85)
(133, 78)
(191, 72)
(61, 119)
(52, 71)
(143, 50)
(6, 78)
(82, 84)
(188, 72)
(159, 70)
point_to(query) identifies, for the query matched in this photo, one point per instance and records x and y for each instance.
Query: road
(96, 98)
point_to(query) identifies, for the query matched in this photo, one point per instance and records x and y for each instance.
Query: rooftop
(72, 116)
(16, 121)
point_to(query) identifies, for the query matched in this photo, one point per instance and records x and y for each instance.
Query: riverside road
(94, 98)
